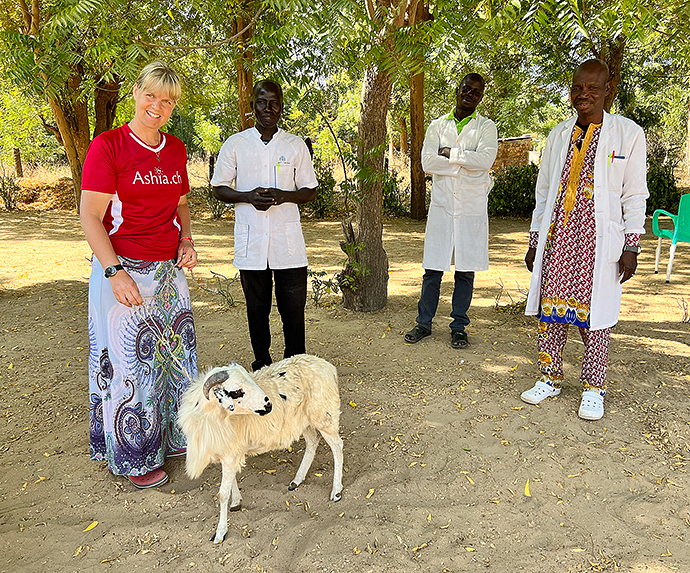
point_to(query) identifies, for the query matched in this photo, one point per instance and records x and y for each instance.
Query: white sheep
(249, 414)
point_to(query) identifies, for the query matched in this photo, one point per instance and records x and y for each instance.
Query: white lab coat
(273, 237)
(457, 228)
(620, 194)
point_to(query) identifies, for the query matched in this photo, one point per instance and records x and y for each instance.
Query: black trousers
(291, 297)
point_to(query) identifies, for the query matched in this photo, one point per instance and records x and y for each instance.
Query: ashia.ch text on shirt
(157, 177)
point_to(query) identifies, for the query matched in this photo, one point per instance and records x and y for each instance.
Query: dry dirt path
(438, 445)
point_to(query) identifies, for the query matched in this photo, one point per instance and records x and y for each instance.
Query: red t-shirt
(146, 184)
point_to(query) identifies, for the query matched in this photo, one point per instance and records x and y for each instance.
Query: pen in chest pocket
(614, 156)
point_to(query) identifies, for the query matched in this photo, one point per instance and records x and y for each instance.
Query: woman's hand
(186, 255)
(125, 289)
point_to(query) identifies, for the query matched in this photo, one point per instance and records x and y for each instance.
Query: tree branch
(399, 18)
(34, 17)
(371, 11)
(209, 46)
(25, 16)
(53, 129)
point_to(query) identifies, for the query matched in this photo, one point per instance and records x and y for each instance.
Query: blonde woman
(136, 219)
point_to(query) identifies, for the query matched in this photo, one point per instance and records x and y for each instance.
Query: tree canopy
(348, 68)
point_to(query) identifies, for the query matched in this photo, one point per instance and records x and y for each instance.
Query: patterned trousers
(551, 341)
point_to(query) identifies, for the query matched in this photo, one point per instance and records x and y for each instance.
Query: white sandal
(539, 392)
(591, 406)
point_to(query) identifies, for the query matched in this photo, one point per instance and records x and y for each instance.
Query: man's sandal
(459, 339)
(416, 334)
(154, 478)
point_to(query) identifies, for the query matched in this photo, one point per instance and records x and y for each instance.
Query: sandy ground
(439, 448)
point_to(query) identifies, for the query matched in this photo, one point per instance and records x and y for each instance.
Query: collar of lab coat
(567, 128)
(257, 134)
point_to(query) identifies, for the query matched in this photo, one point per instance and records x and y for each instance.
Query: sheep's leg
(336, 444)
(236, 499)
(311, 438)
(228, 488)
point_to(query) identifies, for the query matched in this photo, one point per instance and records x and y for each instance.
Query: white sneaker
(539, 392)
(591, 406)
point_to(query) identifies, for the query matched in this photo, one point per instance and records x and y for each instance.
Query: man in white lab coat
(585, 233)
(459, 149)
(272, 174)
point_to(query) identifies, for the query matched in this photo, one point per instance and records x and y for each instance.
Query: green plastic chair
(680, 232)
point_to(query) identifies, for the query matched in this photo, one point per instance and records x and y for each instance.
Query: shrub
(9, 191)
(663, 191)
(216, 207)
(513, 191)
(327, 196)
(394, 199)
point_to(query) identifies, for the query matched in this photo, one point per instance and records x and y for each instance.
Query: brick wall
(513, 151)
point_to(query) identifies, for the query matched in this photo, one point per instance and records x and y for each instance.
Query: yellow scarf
(576, 167)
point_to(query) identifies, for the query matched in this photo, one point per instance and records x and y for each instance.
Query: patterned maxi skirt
(135, 379)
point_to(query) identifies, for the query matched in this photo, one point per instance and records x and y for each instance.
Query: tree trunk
(72, 118)
(245, 74)
(18, 170)
(687, 148)
(391, 146)
(211, 165)
(105, 104)
(612, 53)
(418, 185)
(403, 135)
(368, 263)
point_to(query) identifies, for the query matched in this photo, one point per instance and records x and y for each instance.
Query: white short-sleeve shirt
(272, 237)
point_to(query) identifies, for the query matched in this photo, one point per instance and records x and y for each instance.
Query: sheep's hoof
(293, 486)
(337, 496)
(236, 507)
(217, 539)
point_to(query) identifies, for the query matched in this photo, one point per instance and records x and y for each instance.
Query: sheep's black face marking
(225, 398)
(234, 394)
(267, 409)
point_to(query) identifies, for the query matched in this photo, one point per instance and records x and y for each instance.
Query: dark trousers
(291, 297)
(431, 290)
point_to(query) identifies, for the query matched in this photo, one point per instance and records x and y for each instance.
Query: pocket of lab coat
(614, 173)
(295, 239)
(241, 240)
(616, 241)
(284, 177)
(473, 195)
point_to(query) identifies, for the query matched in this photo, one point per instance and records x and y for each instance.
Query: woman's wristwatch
(111, 271)
(632, 249)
